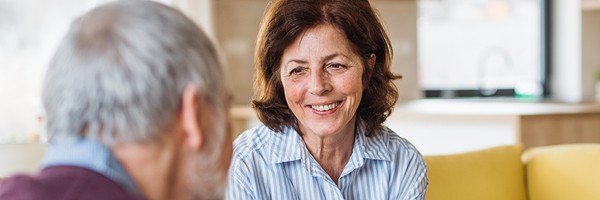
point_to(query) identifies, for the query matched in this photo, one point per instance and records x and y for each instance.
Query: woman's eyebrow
(296, 61)
(334, 55)
(329, 57)
(324, 59)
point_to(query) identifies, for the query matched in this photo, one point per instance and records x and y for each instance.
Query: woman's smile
(325, 108)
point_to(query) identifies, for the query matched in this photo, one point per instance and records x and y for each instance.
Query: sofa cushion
(494, 173)
(563, 172)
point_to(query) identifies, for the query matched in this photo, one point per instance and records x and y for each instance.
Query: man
(135, 108)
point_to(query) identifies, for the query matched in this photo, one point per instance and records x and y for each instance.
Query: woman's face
(322, 81)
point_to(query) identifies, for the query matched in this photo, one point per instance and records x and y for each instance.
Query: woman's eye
(336, 66)
(297, 71)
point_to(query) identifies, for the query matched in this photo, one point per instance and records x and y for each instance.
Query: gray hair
(120, 71)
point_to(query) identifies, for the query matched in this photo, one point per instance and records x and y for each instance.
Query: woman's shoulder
(252, 140)
(395, 143)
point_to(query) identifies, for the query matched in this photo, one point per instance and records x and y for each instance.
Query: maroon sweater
(62, 182)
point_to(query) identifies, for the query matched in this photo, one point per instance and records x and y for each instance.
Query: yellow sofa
(562, 172)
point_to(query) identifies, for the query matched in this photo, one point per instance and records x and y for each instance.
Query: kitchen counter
(528, 123)
(493, 107)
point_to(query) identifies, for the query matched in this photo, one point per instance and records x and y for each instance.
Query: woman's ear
(191, 105)
(371, 61)
(371, 66)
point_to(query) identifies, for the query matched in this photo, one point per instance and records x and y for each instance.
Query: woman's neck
(332, 152)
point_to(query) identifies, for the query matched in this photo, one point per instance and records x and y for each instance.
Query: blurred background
(477, 73)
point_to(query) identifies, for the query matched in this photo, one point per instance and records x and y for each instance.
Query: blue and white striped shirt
(274, 165)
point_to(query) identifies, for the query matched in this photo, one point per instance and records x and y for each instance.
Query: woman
(323, 89)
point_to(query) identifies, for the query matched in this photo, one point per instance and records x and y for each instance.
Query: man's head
(138, 72)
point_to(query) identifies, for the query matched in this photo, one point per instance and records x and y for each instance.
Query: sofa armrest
(563, 172)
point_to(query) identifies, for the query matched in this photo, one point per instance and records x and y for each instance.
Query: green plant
(598, 76)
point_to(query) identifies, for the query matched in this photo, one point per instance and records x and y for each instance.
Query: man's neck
(152, 166)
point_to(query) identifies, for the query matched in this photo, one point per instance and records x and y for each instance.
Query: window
(481, 48)
(30, 30)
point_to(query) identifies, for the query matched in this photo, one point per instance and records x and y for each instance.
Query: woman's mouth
(326, 107)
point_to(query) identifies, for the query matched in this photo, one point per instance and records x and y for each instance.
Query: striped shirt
(277, 165)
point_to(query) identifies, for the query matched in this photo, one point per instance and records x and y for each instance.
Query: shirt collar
(90, 155)
(376, 146)
(287, 146)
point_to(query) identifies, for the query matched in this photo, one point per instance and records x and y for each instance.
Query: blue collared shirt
(274, 165)
(90, 155)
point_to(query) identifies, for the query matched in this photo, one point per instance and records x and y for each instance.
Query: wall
(200, 11)
(590, 51)
(30, 31)
(576, 43)
(20, 158)
(237, 24)
(566, 51)
(400, 18)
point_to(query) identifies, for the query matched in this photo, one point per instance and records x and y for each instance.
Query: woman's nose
(319, 84)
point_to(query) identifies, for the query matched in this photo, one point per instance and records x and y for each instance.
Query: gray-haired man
(136, 109)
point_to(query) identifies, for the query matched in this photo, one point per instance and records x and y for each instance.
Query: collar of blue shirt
(288, 146)
(90, 155)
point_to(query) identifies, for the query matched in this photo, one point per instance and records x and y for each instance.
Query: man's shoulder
(62, 182)
(21, 187)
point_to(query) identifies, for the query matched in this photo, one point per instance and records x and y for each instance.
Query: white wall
(566, 51)
(576, 51)
(20, 158)
(30, 31)
(200, 11)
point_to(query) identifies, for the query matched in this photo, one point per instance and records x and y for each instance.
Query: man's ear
(191, 105)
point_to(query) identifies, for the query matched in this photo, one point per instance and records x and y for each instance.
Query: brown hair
(287, 19)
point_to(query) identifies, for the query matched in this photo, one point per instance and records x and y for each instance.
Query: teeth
(325, 107)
